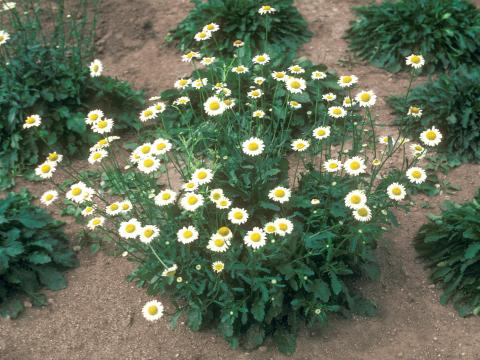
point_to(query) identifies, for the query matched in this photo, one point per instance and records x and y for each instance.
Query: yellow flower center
(166, 196)
(223, 203)
(266, 7)
(219, 242)
(148, 113)
(416, 174)
(214, 105)
(224, 231)
(45, 168)
(347, 79)
(253, 146)
(146, 149)
(415, 59)
(30, 120)
(279, 193)
(295, 84)
(261, 58)
(414, 110)
(148, 163)
(76, 191)
(238, 215)
(192, 200)
(53, 156)
(93, 117)
(187, 234)
(283, 227)
(270, 229)
(103, 142)
(148, 233)
(152, 310)
(418, 148)
(362, 212)
(279, 75)
(296, 68)
(183, 82)
(130, 228)
(396, 191)
(228, 102)
(210, 27)
(95, 68)
(125, 206)
(355, 199)
(431, 135)
(97, 156)
(218, 267)
(365, 97)
(355, 165)
(161, 146)
(300, 145)
(202, 175)
(321, 132)
(216, 196)
(255, 237)
(202, 35)
(102, 124)
(337, 111)
(96, 221)
(333, 165)
(48, 197)
(114, 207)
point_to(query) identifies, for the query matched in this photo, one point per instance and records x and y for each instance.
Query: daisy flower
(215, 195)
(396, 191)
(418, 150)
(225, 232)
(89, 210)
(214, 106)
(300, 145)
(238, 43)
(55, 157)
(188, 57)
(355, 199)
(165, 197)
(126, 206)
(296, 69)
(280, 194)
(415, 61)
(294, 104)
(181, 84)
(152, 310)
(144, 150)
(240, 69)
(416, 175)
(96, 222)
(97, 156)
(260, 114)
(148, 233)
(187, 235)
(347, 81)
(318, 75)
(148, 164)
(321, 132)
(8, 6)
(223, 203)
(96, 68)
(253, 146)
(261, 59)
(4, 37)
(431, 137)
(366, 98)
(332, 165)
(355, 166)
(347, 102)
(191, 201)
(266, 9)
(208, 60)
(93, 116)
(270, 228)
(202, 176)
(218, 266)
(183, 100)
(170, 271)
(113, 209)
(362, 214)
(161, 146)
(329, 97)
(32, 121)
(46, 169)
(414, 111)
(384, 139)
(238, 216)
(283, 226)
(337, 112)
(199, 83)
(202, 36)
(255, 238)
(229, 103)
(130, 229)
(78, 192)
(255, 93)
(48, 197)
(295, 85)
(218, 244)
(190, 186)
(279, 75)
(212, 27)
(103, 126)
(160, 107)
(259, 80)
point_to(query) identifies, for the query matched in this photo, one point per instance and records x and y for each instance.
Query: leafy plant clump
(282, 29)
(254, 199)
(47, 74)
(447, 33)
(451, 103)
(450, 246)
(34, 253)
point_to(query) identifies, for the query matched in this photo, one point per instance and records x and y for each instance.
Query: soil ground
(98, 316)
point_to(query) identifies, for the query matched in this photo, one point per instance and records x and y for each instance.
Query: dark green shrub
(47, 74)
(34, 253)
(450, 246)
(446, 33)
(286, 29)
(451, 103)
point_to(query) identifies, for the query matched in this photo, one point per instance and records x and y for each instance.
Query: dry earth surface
(98, 316)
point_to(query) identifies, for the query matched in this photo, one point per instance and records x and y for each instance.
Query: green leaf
(39, 258)
(258, 310)
(194, 318)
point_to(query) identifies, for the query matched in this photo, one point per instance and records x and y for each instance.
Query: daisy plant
(251, 213)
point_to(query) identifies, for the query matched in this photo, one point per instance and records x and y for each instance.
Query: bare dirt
(98, 316)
